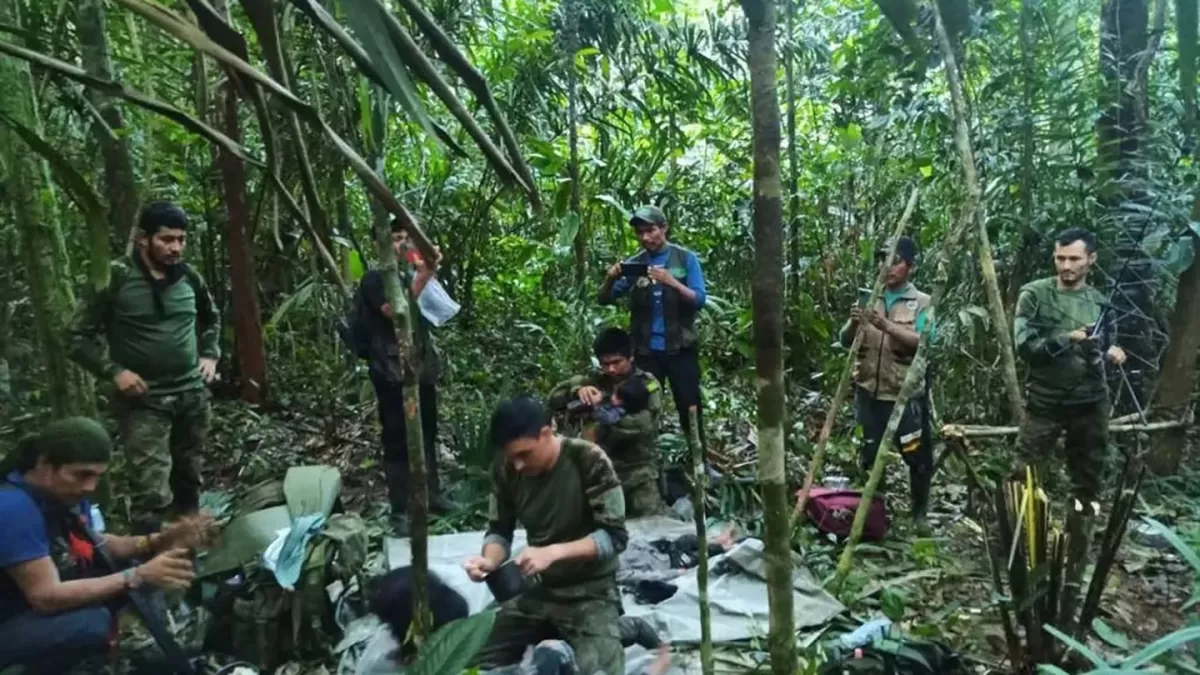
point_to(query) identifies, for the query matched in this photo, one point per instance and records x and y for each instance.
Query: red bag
(832, 511)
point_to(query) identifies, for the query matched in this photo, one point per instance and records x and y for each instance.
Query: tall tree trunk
(793, 212)
(1174, 391)
(247, 319)
(109, 130)
(1031, 243)
(1120, 132)
(32, 200)
(767, 303)
(580, 242)
(987, 266)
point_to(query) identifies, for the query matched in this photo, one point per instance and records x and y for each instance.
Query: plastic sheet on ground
(738, 598)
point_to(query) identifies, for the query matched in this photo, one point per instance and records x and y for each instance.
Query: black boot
(397, 492)
(920, 482)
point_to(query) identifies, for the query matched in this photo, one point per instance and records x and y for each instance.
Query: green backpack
(257, 620)
(892, 656)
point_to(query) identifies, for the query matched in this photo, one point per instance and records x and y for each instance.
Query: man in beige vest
(891, 332)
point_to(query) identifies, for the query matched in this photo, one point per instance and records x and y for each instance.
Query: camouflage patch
(613, 503)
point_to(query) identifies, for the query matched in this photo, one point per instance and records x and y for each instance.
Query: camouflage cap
(651, 215)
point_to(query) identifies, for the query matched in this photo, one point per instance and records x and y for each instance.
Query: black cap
(906, 250)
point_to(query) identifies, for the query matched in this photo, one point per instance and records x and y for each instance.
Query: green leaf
(1074, 644)
(612, 201)
(1180, 255)
(568, 227)
(367, 21)
(451, 647)
(1109, 635)
(926, 171)
(1161, 646)
(1186, 552)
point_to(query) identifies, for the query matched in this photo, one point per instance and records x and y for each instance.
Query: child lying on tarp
(390, 598)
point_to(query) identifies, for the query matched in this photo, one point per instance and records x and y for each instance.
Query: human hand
(613, 272)
(661, 275)
(189, 532)
(591, 395)
(1079, 335)
(386, 309)
(171, 570)
(1116, 355)
(536, 559)
(208, 369)
(130, 383)
(478, 567)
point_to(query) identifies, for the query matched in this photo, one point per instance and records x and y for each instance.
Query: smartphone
(864, 295)
(635, 269)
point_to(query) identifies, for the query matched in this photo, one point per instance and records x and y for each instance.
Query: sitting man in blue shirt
(57, 601)
(663, 305)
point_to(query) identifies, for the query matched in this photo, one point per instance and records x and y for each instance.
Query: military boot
(920, 483)
(397, 493)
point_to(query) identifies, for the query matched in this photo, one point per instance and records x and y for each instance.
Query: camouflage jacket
(632, 442)
(578, 497)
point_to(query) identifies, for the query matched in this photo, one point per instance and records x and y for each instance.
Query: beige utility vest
(882, 361)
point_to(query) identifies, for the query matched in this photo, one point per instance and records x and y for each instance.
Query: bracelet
(132, 579)
(143, 545)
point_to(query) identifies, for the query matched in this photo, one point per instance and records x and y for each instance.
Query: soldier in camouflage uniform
(162, 331)
(1056, 333)
(632, 441)
(566, 495)
(57, 596)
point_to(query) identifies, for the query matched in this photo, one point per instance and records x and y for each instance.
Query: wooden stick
(843, 388)
(699, 501)
(972, 431)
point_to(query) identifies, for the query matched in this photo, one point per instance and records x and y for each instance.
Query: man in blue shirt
(891, 331)
(663, 303)
(56, 597)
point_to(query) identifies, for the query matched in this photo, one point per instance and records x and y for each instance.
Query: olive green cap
(649, 214)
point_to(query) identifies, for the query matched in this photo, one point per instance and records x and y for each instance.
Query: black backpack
(354, 328)
(892, 656)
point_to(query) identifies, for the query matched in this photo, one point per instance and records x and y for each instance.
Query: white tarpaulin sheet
(738, 597)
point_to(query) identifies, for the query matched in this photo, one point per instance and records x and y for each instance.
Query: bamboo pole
(972, 214)
(843, 388)
(971, 431)
(699, 502)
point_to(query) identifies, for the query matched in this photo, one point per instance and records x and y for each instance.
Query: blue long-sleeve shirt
(694, 281)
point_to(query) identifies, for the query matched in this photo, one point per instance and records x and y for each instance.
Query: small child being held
(629, 398)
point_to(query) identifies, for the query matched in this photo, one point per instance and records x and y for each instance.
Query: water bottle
(97, 519)
(836, 482)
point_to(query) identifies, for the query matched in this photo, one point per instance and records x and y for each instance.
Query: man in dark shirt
(56, 604)
(162, 332)
(565, 493)
(388, 378)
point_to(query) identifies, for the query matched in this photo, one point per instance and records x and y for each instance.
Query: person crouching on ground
(57, 599)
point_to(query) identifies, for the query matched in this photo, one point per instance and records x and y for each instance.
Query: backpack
(832, 511)
(354, 327)
(896, 656)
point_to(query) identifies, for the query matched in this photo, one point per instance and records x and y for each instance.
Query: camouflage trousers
(642, 494)
(585, 616)
(1084, 429)
(163, 437)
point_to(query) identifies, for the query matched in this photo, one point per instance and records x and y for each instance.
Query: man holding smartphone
(665, 286)
(1063, 332)
(891, 332)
